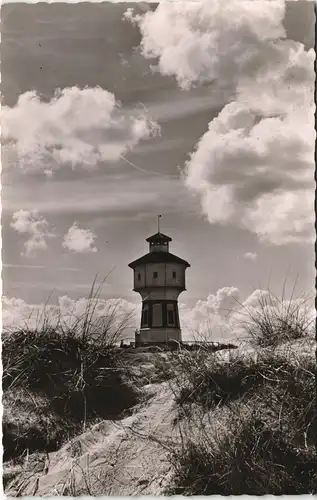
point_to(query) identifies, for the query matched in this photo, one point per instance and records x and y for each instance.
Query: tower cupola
(159, 242)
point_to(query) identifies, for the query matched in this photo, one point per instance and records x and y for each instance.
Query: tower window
(170, 317)
(139, 276)
(155, 274)
(157, 319)
(174, 274)
(145, 317)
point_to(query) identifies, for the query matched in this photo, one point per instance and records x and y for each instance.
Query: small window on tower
(139, 276)
(174, 274)
(155, 274)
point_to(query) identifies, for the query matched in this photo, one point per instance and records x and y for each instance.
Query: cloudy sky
(112, 113)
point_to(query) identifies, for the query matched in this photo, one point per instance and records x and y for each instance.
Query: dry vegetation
(267, 441)
(245, 423)
(266, 406)
(276, 320)
(59, 380)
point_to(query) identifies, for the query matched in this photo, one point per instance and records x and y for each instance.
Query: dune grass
(252, 458)
(59, 379)
(275, 320)
(266, 406)
(267, 445)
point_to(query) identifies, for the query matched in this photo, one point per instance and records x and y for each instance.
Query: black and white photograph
(158, 248)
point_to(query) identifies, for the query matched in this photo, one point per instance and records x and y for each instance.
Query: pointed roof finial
(158, 222)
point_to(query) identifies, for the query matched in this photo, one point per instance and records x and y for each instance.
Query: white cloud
(14, 311)
(257, 296)
(113, 314)
(223, 316)
(220, 317)
(67, 311)
(250, 256)
(77, 127)
(254, 167)
(257, 172)
(79, 240)
(31, 223)
(211, 318)
(209, 39)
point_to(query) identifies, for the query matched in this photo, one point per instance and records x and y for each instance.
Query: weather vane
(158, 222)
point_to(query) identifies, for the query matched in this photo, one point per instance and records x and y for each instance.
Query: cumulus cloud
(77, 127)
(222, 303)
(250, 256)
(79, 240)
(32, 224)
(211, 317)
(15, 311)
(115, 315)
(209, 39)
(220, 317)
(225, 317)
(257, 297)
(257, 172)
(254, 166)
(116, 311)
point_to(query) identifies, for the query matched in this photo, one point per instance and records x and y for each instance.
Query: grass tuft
(275, 321)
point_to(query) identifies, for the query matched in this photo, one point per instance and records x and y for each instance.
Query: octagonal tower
(159, 277)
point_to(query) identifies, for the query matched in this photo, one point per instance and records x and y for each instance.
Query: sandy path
(115, 458)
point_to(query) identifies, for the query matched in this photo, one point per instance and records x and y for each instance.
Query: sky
(113, 113)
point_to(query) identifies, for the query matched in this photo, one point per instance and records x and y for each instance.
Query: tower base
(158, 335)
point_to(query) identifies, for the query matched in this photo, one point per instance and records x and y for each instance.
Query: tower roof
(158, 257)
(158, 237)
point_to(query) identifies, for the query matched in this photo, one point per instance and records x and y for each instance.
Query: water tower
(159, 277)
